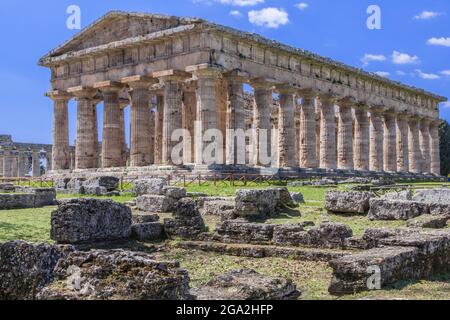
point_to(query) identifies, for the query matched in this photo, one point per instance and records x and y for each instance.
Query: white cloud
(400, 73)
(372, 57)
(302, 6)
(241, 3)
(382, 74)
(439, 42)
(427, 76)
(426, 15)
(404, 58)
(236, 13)
(269, 17)
(445, 72)
(445, 105)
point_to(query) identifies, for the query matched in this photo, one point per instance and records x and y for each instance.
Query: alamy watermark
(374, 19)
(73, 21)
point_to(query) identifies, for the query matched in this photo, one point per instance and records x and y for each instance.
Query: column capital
(389, 113)
(436, 122)
(108, 86)
(172, 75)
(346, 102)
(123, 103)
(328, 98)
(82, 92)
(237, 76)
(139, 82)
(307, 93)
(56, 95)
(190, 86)
(263, 83)
(205, 70)
(378, 110)
(287, 88)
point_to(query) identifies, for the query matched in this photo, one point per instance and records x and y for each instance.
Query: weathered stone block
(441, 196)
(16, 201)
(440, 209)
(396, 210)
(262, 202)
(89, 220)
(187, 222)
(116, 275)
(175, 192)
(147, 231)
(26, 268)
(44, 197)
(145, 218)
(154, 203)
(405, 195)
(429, 221)
(154, 186)
(297, 197)
(247, 285)
(348, 201)
(241, 231)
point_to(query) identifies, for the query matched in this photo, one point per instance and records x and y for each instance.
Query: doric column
(14, 164)
(390, 142)
(141, 153)
(112, 143)
(36, 164)
(286, 127)
(402, 143)
(60, 148)
(173, 101)
(308, 152)
(345, 135)
(188, 120)
(2, 161)
(7, 163)
(328, 153)
(159, 128)
(413, 145)
(362, 139)
(86, 151)
(23, 164)
(207, 78)
(424, 142)
(123, 103)
(376, 140)
(262, 127)
(434, 143)
(235, 151)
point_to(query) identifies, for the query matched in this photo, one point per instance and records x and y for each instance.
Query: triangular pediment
(116, 26)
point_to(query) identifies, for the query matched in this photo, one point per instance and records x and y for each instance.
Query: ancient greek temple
(192, 74)
(19, 159)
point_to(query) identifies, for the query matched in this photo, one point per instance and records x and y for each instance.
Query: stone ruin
(97, 185)
(26, 197)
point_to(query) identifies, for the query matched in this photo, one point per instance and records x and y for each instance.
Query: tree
(444, 136)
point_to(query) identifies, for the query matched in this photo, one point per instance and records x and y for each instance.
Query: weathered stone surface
(26, 268)
(147, 231)
(247, 285)
(61, 183)
(154, 186)
(429, 221)
(174, 192)
(224, 208)
(396, 210)
(297, 197)
(116, 275)
(348, 201)
(89, 220)
(16, 201)
(155, 204)
(441, 196)
(351, 273)
(187, 223)
(440, 209)
(327, 235)
(76, 185)
(7, 187)
(44, 197)
(241, 231)
(405, 195)
(107, 182)
(145, 218)
(262, 202)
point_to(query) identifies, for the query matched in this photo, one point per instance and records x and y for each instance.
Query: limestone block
(247, 285)
(90, 220)
(240, 231)
(147, 231)
(16, 201)
(429, 221)
(154, 186)
(26, 268)
(155, 204)
(405, 195)
(348, 202)
(441, 196)
(145, 218)
(44, 197)
(187, 223)
(440, 209)
(396, 210)
(175, 192)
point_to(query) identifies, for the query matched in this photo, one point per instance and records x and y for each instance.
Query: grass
(121, 199)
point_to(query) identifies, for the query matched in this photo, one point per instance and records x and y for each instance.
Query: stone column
(308, 151)
(328, 153)
(60, 152)
(286, 127)
(112, 143)
(402, 144)
(235, 120)
(159, 128)
(206, 119)
(7, 163)
(23, 162)
(345, 136)
(2, 161)
(141, 153)
(173, 100)
(424, 142)
(221, 114)
(123, 141)
(376, 140)
(262, 127)
(362, 138)
(188, 121)
(36, 164)
(86, 151)
(390, 142)
(14, 164)
(413, 145)
(434, 143)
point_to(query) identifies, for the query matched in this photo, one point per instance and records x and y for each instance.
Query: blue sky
(413, 45)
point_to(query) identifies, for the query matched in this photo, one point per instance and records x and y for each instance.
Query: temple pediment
(117, 26)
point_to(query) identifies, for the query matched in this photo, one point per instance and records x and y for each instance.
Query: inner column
(308, 145)
(345, 136)
(402, 144)
(435, 152)
(328, 154)
(424, 142)
(413, 145)
(390, 142)
(376, 140)
(286, 127)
